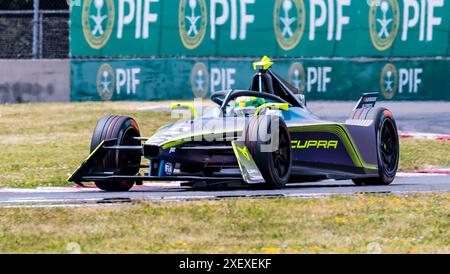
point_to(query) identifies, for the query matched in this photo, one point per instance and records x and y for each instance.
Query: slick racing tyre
(124, 129)
(387, 148)
(268, 141)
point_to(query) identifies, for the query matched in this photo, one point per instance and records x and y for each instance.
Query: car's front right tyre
(125, 130)
(268, 141)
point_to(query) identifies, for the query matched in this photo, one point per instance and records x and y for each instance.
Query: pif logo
(200, 80)
(98, 21)
(297, 76)
(289, 22)
(105, 82)
(384, 20)
(192, 20)
(389, 81)
(123, 81)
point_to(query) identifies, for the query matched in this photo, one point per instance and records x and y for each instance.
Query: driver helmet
(246, 106)
(252, 101)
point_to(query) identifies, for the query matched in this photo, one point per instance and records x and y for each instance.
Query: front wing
(89, 170)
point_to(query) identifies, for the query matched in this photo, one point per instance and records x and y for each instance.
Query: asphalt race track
(73, 196)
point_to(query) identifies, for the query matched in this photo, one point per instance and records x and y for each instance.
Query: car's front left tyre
(124, 129)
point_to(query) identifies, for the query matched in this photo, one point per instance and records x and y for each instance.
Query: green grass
(339, 224)
(417, 154)
(43, 143)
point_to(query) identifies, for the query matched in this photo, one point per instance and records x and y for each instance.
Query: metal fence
(34, 29)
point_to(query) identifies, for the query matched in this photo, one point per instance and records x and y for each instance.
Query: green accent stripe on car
(345, 137)
(174, 143)
(72, 176)
(188, 138)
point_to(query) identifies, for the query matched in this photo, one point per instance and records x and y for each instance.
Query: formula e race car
(264, 137)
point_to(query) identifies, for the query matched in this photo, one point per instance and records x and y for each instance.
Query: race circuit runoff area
(405, 183)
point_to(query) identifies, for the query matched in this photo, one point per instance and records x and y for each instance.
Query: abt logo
(119, 81)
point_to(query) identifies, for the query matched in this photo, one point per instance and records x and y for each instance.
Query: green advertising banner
(168, 79)
(252, 28)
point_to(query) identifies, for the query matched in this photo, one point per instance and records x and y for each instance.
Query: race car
(264, 136)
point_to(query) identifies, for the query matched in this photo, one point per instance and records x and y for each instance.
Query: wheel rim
(388, 147)
(281, 156)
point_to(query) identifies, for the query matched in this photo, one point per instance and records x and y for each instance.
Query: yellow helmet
(249, 102)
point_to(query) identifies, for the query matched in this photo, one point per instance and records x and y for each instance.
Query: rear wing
(367, 100)
(364, 105)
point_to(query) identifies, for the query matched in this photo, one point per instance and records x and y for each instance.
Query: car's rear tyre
(268, 141)
(124, 129)
(387, 148)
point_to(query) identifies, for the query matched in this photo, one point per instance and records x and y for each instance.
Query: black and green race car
(264, 137)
